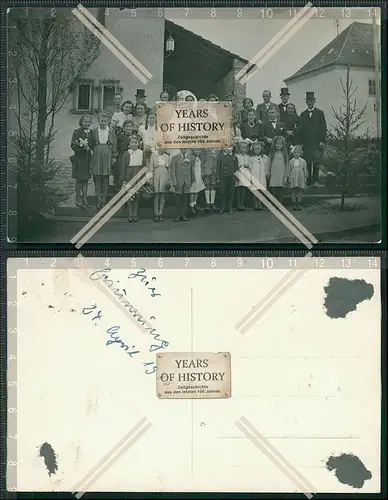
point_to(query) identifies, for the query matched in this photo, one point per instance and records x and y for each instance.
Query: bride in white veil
(183, 96)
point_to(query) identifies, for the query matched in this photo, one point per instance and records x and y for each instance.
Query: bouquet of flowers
(246, 162)
(147, 190)
(83, 143)
(147, 152)
(235, 140)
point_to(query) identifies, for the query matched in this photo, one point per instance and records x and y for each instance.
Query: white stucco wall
(142, 36)
(328, 92)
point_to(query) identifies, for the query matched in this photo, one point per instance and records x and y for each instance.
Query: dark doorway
(195, 64)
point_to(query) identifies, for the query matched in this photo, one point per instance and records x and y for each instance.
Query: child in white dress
(147, 133)
(198, 185)
(161, 177)
(244, 164)
(259, 171)
(297, 176)
(277, 167)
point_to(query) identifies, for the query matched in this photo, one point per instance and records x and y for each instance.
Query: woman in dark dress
(81, 160)
(123, 143)
(251, 129)
(291, 124)
(247, 105)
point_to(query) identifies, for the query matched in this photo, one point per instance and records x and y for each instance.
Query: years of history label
(188, 124)
(199, 375)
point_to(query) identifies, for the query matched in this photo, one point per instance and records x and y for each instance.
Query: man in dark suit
(272, 127)
(312, 134)
(262, 109)
(181, 178)
(140, 98)
(285, 98)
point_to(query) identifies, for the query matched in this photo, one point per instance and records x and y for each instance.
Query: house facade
(195, 64)
(143, 36)
(201, 66)
(352, 49)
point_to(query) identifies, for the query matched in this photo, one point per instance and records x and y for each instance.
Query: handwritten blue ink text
(141, 273)
(115, 339)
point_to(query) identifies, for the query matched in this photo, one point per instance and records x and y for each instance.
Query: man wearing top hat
(312, 134)
(284, 97)
(140, 97)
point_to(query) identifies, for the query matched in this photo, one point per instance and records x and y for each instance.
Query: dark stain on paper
(343, 296)
(349, 470)
(50, 458)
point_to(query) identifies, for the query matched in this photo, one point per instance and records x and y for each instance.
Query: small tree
(48, 50)
(351, 154)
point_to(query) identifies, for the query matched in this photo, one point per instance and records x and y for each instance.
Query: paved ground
(321, 217)
(369, 236)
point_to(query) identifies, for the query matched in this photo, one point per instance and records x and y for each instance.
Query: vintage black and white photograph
(301, 159)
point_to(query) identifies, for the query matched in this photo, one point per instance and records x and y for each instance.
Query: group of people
(269, 120)
(272, 148)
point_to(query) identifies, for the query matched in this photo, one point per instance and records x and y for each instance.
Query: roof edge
(351, 28)
(308, 72)
(348, 31)
(216, 47)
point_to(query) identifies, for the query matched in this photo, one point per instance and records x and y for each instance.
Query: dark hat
(310, 95)
(140, 93)
(284, 91)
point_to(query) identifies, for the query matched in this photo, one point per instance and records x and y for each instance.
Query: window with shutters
(106, 93)
(83, 96)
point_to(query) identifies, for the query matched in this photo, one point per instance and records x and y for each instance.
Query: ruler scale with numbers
(221, 260)
(228, 256)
